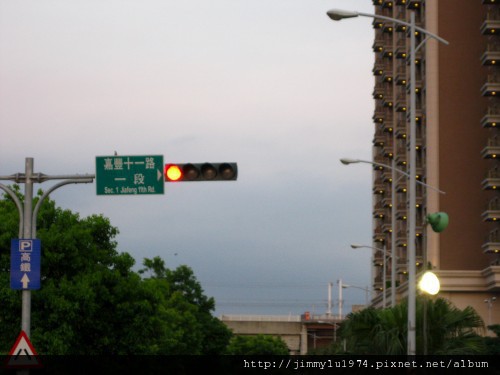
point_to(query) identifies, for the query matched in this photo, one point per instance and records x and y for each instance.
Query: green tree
(212, 335)
(91, 300)
(449, 330)
(493, 343)
(257, 345)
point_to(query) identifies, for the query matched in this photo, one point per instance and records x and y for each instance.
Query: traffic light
(438, 221)
(201, 172)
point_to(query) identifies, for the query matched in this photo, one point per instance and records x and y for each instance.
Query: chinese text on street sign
(129, 175)
(25, 255)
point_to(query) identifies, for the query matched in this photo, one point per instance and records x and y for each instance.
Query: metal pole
(28, 203)
(384, 277)
(393, 236)
(340, 298)
(27, 216)
(329, 310)
(412, 198)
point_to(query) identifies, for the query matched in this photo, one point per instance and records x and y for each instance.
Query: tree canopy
(257, 345)
(442, 329)
(93, 302)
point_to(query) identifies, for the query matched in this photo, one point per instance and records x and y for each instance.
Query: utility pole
(28, 215)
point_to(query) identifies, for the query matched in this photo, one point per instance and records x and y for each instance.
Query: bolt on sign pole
(27, 217)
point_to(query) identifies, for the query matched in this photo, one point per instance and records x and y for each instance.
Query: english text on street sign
(129, 175)
(25, 255)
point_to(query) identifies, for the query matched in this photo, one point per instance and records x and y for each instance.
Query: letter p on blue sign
(25, 245)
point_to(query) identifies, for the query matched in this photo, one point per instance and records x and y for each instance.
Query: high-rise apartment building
(458, 147)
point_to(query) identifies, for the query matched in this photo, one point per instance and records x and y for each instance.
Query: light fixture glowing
(429, 283)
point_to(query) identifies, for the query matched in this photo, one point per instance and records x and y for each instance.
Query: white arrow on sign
(160, 175)
(25, 281)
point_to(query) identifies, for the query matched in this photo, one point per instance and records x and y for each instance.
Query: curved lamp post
(384, 274)
(337, 15)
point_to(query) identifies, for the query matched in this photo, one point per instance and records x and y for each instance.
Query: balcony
(492, 54)
(491, 87)
(492, 212)
(388, 101)
(378, 139)
(492, 180)
(401, 158)
(402, 267)
(400, 51)
(387, 126)
(401, 103)
(387, 202)
(400, 78)
(387, 4)
(378, 258)
(414, 4)
(491, 119)
(378, 188)
(492, 244)
(387, 76)
(378, 234)
(402, 185)
(401, 239)
(379, 210)
(378, 44)
(388, 28)
(387, 149)
(401, 211)
(378, 91)
(401, 130)
(378, 68)
(491, 26)
(492, 149)
(378, 115)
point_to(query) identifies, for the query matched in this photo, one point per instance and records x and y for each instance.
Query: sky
(273, 85)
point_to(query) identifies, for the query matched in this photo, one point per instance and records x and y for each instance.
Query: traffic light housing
(201, 172)
(438, 221)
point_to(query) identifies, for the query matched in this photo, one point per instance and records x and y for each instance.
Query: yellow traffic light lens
(173, 172)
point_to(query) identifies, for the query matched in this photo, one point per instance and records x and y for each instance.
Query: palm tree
(448, 330)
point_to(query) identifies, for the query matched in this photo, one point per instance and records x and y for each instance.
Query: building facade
(457, 147)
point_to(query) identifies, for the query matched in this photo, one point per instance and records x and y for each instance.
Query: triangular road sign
(22, 354)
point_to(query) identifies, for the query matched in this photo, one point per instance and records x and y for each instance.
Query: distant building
(458, 147)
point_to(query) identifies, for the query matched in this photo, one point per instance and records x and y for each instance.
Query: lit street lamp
(337, 15)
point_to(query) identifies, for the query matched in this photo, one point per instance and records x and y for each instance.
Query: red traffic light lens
(173, 172)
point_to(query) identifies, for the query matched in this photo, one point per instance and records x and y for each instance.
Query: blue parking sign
(25, 256)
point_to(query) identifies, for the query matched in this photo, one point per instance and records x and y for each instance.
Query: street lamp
(429, 283)
(366, 289)
(490, 301)
(344, 286)
(384, 275)
(338, 15)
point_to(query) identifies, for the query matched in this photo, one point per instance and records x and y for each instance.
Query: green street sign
(129, 175)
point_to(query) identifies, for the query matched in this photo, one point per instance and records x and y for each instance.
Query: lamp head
(438, 221)
(429, 283)
(348, 161)
(338, 14)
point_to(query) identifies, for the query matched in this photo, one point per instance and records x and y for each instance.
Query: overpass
(301, 333)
